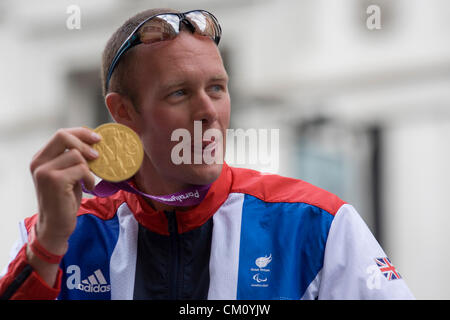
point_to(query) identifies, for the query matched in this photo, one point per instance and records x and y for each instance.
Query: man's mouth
(199, 148)
(205, 145)
(208, 146)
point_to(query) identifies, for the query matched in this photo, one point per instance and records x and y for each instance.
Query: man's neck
(148, 181)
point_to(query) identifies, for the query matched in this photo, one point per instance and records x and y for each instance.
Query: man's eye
(178, 93)
(216, 88)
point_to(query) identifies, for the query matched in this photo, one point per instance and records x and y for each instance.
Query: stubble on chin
(200, 174)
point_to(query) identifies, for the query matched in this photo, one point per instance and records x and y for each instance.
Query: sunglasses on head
(166, 26)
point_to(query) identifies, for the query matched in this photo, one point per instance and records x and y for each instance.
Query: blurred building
(362, 112)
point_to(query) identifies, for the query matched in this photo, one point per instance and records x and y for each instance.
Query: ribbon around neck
(185, 198)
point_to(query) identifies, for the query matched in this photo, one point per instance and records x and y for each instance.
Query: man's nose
(204, 109)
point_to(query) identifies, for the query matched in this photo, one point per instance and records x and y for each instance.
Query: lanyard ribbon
(189, 197)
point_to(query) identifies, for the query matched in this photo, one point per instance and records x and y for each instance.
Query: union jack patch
(387, 269)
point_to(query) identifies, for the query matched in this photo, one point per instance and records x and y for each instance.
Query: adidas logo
(95, 283)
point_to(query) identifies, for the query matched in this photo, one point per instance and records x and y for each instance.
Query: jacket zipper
(174, 255)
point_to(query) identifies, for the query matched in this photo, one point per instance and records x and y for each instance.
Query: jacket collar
(156, 221)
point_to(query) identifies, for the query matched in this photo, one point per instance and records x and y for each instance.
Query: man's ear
(122, 110)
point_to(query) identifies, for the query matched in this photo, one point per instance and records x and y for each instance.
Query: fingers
(80, 139)
(63, 161)
(66, 160)
(80, 172)
(69, 159)
(64, 172)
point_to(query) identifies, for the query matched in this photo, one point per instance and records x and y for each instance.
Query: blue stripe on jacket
(281, 248)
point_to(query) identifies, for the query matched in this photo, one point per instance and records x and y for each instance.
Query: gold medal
(120, 153)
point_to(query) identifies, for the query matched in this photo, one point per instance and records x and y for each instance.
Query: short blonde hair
(118, 82)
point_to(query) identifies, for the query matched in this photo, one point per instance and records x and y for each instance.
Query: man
(253, 236)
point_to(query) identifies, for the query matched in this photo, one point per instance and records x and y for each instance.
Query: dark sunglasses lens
(204, 24)
(160, 28)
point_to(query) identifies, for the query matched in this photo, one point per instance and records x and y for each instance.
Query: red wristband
(40, 251)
